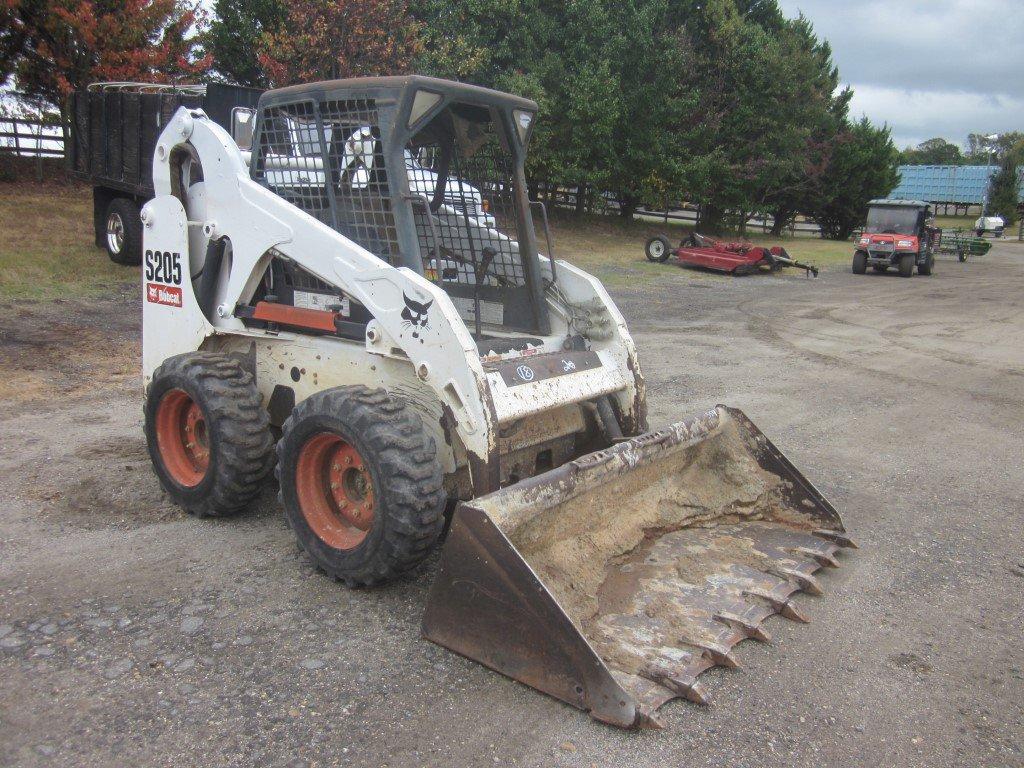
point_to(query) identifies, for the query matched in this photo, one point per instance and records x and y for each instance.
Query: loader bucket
(613, 581)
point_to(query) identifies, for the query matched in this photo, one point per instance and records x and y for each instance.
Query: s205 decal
(163, 275)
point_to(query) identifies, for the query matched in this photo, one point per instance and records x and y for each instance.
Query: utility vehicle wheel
(123, 233)
(860, 263)
(658, 249)
(927, 267)
(361, 484)
(208, 433)
(880, 267)
(907, 265)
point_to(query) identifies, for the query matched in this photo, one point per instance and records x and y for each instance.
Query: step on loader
(364, 288)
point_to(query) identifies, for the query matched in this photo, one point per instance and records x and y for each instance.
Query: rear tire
(123, 232)
(361, 484)
(208, 433)
(860, 263)
(907, 265)
(658, 249)
(926, 268)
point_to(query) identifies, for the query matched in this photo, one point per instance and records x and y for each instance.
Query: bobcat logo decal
(414, 315)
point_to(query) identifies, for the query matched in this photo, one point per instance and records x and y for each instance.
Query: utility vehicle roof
(899, 203)
(394, 87)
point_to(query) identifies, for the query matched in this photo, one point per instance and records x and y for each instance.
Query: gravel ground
(131, 634)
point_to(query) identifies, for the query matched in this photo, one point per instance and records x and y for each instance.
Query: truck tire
(860, 263)
(658, 249)
(123, 234)
(208, 433)
(907, 265)
(927, 267)
(361, 484)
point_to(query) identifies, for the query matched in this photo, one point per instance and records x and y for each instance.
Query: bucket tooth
(836, 537)
(823, 558)
(734, 620)
(685, 685)
(807, 582)
(789, 611)
(723, 657)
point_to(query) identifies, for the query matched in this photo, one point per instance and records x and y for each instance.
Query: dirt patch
(55, 350)
(101, 484)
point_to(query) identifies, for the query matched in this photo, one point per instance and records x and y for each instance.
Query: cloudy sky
(928, 67)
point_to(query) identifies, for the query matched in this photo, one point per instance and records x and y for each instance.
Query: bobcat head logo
(414, 315)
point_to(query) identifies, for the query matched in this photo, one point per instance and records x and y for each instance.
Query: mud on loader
(366, 288)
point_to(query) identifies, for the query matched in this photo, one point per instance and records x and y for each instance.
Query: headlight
(904, 243)
(865, 240)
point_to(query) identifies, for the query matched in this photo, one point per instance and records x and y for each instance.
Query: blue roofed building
(950, 185)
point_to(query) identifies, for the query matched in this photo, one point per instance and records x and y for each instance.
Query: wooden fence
(31, 138)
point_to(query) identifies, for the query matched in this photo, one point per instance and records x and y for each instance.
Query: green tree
(1003, 192)
(824, 107)
(862, 167)
(234, 35)
(936, 151)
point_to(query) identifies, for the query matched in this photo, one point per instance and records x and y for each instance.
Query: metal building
(947, 185)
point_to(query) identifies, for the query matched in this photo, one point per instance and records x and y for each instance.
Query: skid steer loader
(412, 352)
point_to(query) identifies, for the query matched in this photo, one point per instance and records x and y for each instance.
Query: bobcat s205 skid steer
(412, 351)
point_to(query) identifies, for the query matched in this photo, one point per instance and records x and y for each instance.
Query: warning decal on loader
(163, 294)
(515, 372)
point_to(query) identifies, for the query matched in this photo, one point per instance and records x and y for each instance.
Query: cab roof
(395, 87)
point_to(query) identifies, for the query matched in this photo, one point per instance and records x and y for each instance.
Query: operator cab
(426, 174)
(898, 217)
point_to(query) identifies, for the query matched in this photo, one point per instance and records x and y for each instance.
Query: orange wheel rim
(182, 438)
(335, 490)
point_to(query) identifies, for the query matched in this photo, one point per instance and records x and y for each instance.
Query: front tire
(207, 432)
(926, 268)
(123, 232)
(907, 265)
(658, 249)
(361, 484)
(860, 263)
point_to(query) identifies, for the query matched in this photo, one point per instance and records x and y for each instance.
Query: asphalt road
(131, 634)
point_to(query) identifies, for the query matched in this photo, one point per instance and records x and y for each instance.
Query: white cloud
(918, 115)
(927, 67)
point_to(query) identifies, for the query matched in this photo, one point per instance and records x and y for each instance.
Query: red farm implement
(732, 258)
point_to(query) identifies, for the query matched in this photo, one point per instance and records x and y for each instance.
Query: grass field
(47, 250)
(46, 245)
(614, 251)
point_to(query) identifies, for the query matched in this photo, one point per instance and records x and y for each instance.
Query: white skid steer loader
(413, 353)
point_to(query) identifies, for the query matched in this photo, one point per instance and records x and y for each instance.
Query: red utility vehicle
(732, 258)
(900, 234)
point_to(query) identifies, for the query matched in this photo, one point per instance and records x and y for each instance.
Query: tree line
(723, 103)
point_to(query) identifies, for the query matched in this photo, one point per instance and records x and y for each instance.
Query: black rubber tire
(662, 249)
(928, 266)
(961, 255)
(241, 445)
(128, 212)
(408, 492)
(880, 267)
(860, 263)
(907, 265)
